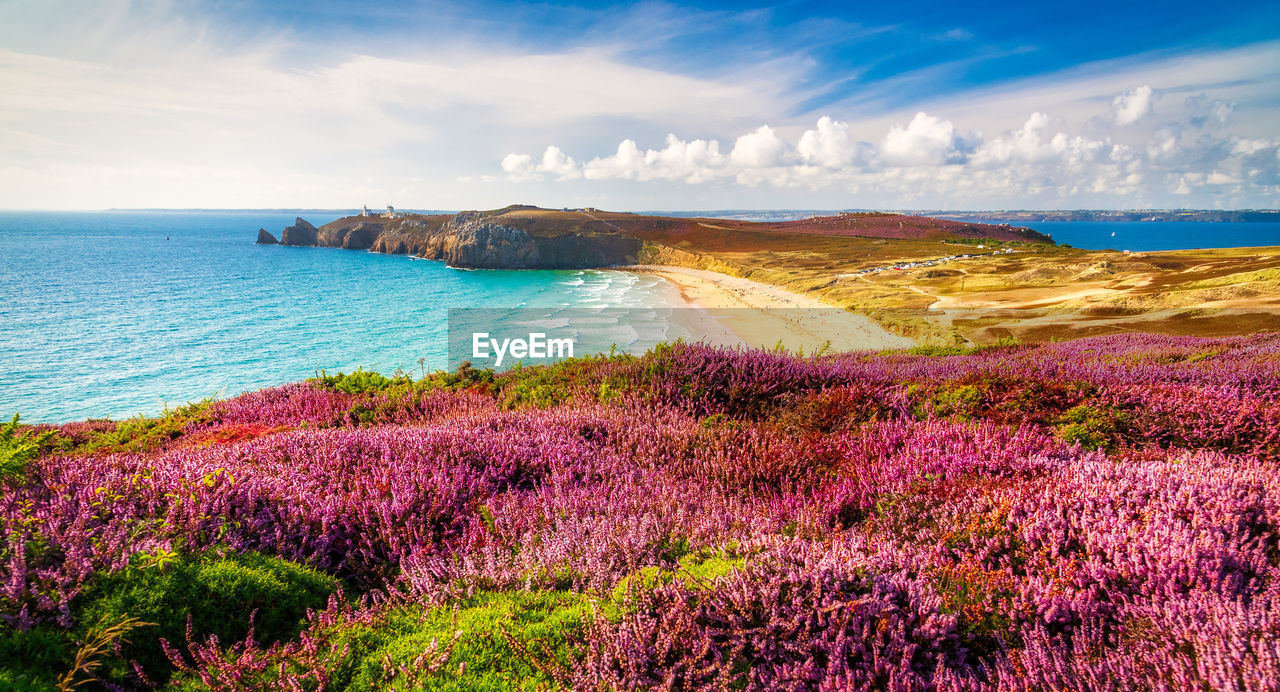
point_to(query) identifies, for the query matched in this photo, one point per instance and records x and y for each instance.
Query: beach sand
(732, 311)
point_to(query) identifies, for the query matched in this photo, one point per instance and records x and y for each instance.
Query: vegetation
(18, 449)
(1096, 513)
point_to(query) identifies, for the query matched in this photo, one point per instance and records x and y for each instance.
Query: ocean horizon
(123, 313)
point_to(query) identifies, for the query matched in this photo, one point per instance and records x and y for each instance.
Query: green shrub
(18, 450)
(359, 382)
(695, 570)
(463, 377)
(142, 434)
(489, 641)
(218, 593)
(507, 640)
(1093, 427)
(35, 659)
(541, 386)
(961, 401)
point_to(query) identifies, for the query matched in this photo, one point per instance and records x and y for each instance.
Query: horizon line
(652, 211)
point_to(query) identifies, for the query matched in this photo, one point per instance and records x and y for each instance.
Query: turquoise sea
(119, 313)
(1151, 236)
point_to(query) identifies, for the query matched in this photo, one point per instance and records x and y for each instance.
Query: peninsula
(527, 237)
(929, 279)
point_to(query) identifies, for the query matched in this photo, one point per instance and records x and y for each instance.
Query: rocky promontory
(525, 237)
(472, 240)
(265, 237)
(300, 233)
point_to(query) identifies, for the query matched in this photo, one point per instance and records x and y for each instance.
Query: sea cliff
(471, 239)
(525, 237)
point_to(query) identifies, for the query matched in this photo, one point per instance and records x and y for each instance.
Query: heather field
(1100, 514)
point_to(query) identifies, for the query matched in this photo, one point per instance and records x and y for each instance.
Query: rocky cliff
(523, 237)
(300, 233)
(265, 237)
(471, 240)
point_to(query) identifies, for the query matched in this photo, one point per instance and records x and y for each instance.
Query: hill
(1100, 514)
(929, 279)
(525, 237)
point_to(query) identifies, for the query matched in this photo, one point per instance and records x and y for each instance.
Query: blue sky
(639, 105)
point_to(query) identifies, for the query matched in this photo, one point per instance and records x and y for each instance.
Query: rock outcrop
(524, 237)
(362, 237)
(300, 233)
(471, 240)
(265, 237)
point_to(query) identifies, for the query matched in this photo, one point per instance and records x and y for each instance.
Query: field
(1006, 289)
(1033, 292)
(1097, 514)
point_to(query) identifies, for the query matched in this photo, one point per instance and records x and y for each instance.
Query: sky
(639, 106)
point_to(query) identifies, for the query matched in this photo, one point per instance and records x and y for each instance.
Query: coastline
(733, 311)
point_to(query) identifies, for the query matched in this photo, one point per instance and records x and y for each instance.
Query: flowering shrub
(1098, 514)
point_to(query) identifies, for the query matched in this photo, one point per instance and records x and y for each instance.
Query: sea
(119, 314)
(1151, 236)
(116, 314)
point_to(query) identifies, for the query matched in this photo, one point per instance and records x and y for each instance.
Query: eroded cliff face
(300, 233)
(471, 240)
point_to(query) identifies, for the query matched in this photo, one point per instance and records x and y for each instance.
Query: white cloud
(1131, 106)
(556, 162)
(693, 161)
(152, 86)
(926, 160)
(925, 141)
(149, 103)
(829, 145)
(519, 167)
(760, 148)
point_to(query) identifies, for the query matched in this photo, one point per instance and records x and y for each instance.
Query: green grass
(488, 641)
(218, 593)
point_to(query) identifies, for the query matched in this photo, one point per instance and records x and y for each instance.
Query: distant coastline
(1004, 215)
(1101, 215)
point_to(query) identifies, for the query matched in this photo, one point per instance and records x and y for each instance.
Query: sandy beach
(732, 311)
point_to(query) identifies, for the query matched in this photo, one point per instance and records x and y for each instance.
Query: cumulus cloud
(925, 141)
(1206, 111)
(927, 158)
(1132, 106)
(556, 162)
(518, 167)
(760, 148)
(829, 145)
(521, 167)
(692, 161)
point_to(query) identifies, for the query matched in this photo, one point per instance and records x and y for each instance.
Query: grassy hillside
(1094, 514)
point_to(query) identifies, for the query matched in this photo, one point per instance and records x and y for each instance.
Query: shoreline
(733, 311)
